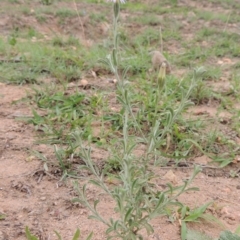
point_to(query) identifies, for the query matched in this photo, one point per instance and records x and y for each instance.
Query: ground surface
(42, 201)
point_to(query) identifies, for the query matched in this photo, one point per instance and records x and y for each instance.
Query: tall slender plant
(136, 197)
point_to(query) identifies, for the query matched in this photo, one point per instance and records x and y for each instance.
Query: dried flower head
(158, 59)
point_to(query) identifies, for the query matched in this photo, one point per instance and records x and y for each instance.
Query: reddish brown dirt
(29, 197)
(43, 203)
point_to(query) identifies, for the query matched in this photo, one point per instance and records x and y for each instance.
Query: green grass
(98, 17)
(207, 34)
(13, 1)
(227, 3)
(65, 13)
(209, 16)
(64, 60)
(147, 38)
(147, 19)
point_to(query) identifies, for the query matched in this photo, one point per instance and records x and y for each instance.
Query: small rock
(229, 213)
(236, 160)
(83, 211)
(43, 198)
(83, 83)
(225, 211)
(203, 160)
(170, 176)
(71, 85)
(114, 109)
(220, 62)
(112, 81)
(227, 190)
(94, 74)
(30, 158)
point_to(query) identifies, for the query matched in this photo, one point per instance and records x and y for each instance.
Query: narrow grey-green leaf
(76, 235)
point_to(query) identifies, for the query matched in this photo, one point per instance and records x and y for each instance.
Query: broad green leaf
(197, 213)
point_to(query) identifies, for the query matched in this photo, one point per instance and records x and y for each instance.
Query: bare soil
(30, 197)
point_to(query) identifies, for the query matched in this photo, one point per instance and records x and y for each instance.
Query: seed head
(158, 59)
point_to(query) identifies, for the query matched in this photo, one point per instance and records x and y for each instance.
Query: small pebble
(43, 198)
(83, 83)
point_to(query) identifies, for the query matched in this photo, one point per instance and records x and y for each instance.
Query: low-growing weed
(137, 198)
(47, 2)
(65, 13)
(148, 38)
(188, 215)
(64, 112)
(76, 236)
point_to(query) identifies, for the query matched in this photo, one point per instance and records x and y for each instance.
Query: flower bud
(162, 75)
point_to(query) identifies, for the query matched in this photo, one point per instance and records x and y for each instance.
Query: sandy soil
(30, 197)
